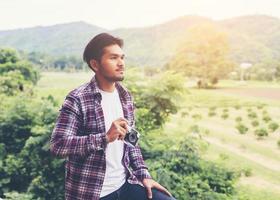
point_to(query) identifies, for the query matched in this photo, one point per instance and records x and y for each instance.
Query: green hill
(252, 38)
(61, 39)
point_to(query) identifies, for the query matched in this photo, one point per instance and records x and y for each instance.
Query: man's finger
(122, 133)
(124, 125)
(149, 192)
(162, 189)
(121, 119)
(121, 130)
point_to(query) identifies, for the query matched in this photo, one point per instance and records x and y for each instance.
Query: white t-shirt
(115, 172)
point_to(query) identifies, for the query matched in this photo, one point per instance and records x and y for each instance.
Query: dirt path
(268, 93)
(261, 160)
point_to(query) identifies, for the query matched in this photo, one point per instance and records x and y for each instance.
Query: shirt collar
(123, 92)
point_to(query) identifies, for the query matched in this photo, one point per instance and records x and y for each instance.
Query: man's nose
(121, 62)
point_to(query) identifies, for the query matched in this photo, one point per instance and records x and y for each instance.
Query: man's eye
(113, 57)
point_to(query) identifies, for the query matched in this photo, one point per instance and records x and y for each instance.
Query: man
(90, 129)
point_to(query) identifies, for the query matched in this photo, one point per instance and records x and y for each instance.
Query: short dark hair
(94, 49)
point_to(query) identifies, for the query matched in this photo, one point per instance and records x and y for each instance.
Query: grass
(201, 102)
(59, 84)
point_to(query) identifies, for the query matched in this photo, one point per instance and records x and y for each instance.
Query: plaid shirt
(79, 135)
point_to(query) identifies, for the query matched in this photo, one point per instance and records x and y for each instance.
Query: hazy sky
(112, 14)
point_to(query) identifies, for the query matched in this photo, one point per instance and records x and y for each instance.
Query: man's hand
(117, 130)
(150, 183)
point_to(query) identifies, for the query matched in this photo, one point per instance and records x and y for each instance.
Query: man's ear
(94, 65)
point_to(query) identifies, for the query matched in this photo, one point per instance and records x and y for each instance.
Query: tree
(156, 98)
(15, 74)
(203, 54)
(8, 56)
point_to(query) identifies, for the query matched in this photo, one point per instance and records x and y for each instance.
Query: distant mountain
(61, 39)
(252, 38)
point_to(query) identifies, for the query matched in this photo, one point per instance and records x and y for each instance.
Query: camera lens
(132, 137)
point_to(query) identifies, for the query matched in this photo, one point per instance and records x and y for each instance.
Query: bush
(278, 143)
(247, 172)
(213, 108)
(241, 128)
(29, 124)
(252, 115)
(184, 114)
(211, 113)
(273, 126)
(255, 123)
(266, 118)
(249, 110)
(261, 132)
(264, 112)
(225, 110)
(192, 178)
(237, 107)
(196, 116)
(224, 116)
(261, 106)
(238, 119)
(17, 196)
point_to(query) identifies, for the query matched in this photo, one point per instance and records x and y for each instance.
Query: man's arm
(64, 139)
(140, 170)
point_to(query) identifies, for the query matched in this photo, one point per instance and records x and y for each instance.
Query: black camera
(132, 137)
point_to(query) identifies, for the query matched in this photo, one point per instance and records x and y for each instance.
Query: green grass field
(258, 159)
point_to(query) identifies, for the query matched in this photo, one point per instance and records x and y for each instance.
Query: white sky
(113, 14)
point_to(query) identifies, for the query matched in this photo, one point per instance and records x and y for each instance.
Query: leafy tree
(8, 56)
(155, 98)
(203, 54)
(15, 74)
(25, 129)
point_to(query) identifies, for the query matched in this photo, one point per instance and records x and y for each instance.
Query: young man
(90, 129)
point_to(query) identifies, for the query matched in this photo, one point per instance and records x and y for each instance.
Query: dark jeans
(135, 192)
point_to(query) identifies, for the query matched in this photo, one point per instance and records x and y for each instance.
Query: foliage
(155, 102)
(273, 126)
(203, 55)
(16, 196)
(183, 171)
(252, 115)
(261, 132)
(238, 119)
(241, 128)
(247, 172)
(255, 123)
(224, 115)
(266, 118)
(15, 74)
(211, 113)
(27, 165)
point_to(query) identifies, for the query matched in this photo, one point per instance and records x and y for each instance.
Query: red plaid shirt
(79, 135)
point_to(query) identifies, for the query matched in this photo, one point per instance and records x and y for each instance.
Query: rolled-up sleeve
(140, 170)
(65, 139)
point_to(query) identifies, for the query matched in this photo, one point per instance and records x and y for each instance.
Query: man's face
(111, 66)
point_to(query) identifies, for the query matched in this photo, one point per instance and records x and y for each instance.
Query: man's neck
(105, 85)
